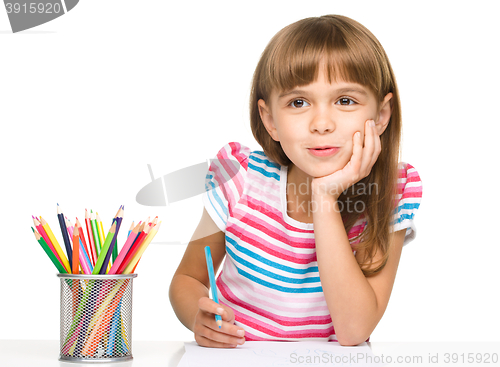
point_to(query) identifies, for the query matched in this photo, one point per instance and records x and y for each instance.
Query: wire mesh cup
(96, 318)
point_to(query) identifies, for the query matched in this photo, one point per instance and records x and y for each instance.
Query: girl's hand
(360, 165)
(206, 331)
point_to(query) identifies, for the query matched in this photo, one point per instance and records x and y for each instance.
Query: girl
(312, 227)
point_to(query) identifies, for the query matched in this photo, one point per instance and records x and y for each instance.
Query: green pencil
(49, 252)
(95, 233)
(104, 249)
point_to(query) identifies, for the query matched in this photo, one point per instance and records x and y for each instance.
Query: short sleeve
(408, 201)
(224, 182)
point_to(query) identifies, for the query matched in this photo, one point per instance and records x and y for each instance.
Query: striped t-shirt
(270, 274)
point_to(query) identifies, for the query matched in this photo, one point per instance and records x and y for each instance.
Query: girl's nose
(322, 122)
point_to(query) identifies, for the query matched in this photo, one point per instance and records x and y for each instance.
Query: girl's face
(320, 115)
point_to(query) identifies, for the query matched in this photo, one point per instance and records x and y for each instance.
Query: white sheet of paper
(264, 354)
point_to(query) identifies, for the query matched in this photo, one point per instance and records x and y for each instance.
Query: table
(45, 353)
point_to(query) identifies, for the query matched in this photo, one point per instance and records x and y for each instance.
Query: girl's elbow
(351, 339)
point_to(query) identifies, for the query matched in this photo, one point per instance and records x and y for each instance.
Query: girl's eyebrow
(338, 91)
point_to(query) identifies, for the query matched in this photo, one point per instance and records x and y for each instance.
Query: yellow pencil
(102, 237)
(101, 234)
(137, 256)
(56, 245)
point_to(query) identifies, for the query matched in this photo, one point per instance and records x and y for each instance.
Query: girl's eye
(298, 103)
(344, 101)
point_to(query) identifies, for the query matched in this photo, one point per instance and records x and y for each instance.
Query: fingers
(371, 148)
(206, 330)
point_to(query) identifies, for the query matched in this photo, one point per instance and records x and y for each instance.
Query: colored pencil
(102, 238)
(87, 253)
(105, 247)
(85, 263)
(130, 240)
(42, 232)
(49, 252)
(56, 245)
(133, 262)
(76, 252)
(64, 232)
(95, 233)
(100, 228)
(211, 276)
(115, 248)
(109, 250)
(88, 225)
(143, 232)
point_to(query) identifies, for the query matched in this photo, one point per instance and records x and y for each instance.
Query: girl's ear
(384, 114)
(267, 119)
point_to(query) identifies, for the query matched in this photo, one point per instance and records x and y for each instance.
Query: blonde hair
(351, 53)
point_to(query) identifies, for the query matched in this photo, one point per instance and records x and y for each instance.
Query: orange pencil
(76, 252)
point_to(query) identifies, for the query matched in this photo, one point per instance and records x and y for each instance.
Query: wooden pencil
(88, 225)
(132, 264)
(64, 232)
(102, 255)
(42, 232)
(56, 245)
(95, 233)
(76, 252)
(49, 252)
(143, 232)
(125, 248)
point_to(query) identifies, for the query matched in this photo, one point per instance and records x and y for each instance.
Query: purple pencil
(119, 218)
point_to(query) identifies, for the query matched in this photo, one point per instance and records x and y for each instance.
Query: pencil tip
(33, 229)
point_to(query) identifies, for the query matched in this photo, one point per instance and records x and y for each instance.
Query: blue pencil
(211, 276)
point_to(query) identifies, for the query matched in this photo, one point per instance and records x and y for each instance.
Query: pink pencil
(125, 248)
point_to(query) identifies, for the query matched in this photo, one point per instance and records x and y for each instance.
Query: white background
(91, 98)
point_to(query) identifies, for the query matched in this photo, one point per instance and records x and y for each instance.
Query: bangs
(345, 51)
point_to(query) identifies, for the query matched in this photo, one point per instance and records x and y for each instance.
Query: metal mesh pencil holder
(96, 318)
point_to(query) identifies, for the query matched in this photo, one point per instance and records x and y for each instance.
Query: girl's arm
(356, 303)
(189, 289)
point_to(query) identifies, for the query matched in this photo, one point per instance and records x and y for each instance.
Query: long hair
(351, 54)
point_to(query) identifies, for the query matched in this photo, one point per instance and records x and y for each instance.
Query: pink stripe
(413, 189)
(273, 331)
(282, 320)
(412, 195)
(263, 225)
(240, 153)
(269, 248)
(248, 222)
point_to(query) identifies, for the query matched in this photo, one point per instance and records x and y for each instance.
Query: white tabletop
(45, 353)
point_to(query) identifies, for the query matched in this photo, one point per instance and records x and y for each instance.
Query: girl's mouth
(325, 151)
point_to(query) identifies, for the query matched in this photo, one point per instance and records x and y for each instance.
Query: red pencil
(78, 226)
(137, 243)
(76, 253)
(91, 238)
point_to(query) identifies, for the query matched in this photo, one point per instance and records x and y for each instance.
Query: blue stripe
(267, 162)
(263, 172)
(404, 217)
(406, 206)
(278, 287)
(312, 269)
(219, 201)
(270, 274)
